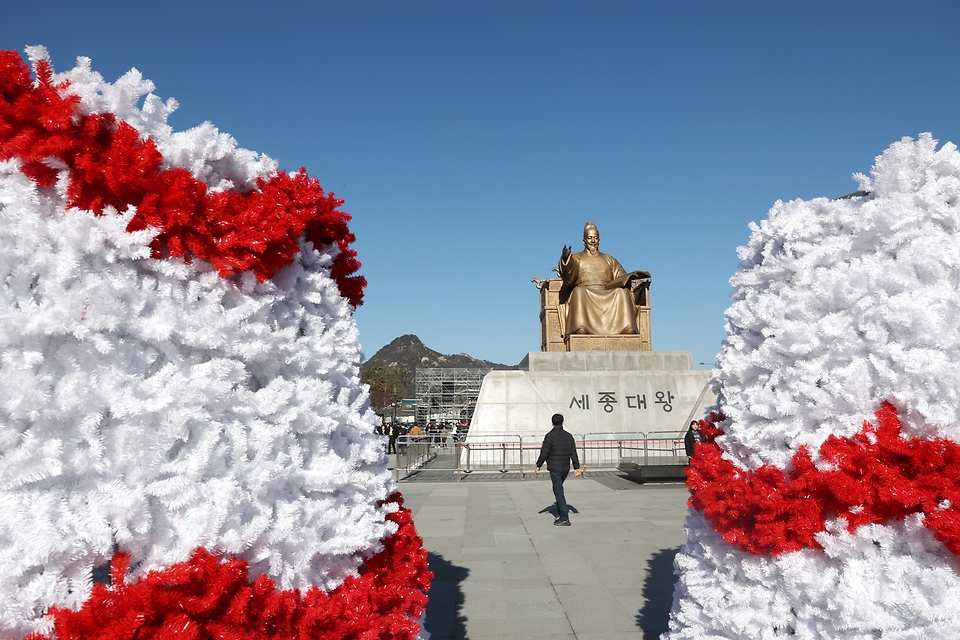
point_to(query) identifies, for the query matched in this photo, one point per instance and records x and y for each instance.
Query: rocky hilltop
(408, 352)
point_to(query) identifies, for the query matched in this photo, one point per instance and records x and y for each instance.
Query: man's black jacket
(557, 450)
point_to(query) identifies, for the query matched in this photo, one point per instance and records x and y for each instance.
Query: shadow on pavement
(555, 512)
(654, 617)
(444, 620)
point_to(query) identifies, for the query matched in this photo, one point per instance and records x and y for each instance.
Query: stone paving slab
(503, 571)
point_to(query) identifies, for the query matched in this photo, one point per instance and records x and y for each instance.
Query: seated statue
(597, 293)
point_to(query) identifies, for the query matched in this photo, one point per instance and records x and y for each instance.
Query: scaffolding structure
(447, 394)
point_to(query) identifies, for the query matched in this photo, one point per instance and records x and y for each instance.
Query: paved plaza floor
(503, 570)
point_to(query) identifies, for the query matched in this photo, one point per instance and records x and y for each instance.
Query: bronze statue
(599, 295)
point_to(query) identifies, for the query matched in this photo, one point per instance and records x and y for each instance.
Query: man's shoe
(557, 520)
(562, 523)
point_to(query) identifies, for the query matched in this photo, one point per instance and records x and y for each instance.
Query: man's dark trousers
(557, 478)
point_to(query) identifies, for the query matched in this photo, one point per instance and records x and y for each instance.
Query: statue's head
(591, 237)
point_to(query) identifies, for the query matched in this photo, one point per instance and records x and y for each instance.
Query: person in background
(691, 438)
(558, 449)
(392, 433)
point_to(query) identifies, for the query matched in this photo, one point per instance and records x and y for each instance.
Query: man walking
(558, 449)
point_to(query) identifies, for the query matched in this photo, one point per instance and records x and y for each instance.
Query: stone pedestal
(577, 342)
(600, 394)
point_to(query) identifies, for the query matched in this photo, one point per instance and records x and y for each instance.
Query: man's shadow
(653, 619)
(555, 512)
(444, 620)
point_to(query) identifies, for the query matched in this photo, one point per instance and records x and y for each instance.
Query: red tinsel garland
(878, 475)
(212, 597)
(110, 165)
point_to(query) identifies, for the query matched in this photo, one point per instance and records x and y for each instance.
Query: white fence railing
(503, 453)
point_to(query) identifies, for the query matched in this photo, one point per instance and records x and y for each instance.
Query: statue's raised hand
(565, 253)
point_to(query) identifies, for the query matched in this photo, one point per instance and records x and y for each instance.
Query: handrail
(504, 452)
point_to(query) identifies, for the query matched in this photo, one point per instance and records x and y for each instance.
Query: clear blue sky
(472, 140)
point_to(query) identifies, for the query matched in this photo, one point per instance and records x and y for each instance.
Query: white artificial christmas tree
(181, 388)
(826, 494)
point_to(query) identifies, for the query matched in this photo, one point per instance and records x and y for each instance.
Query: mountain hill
(408, 352)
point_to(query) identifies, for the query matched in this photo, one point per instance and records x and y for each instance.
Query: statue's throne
(553, 316)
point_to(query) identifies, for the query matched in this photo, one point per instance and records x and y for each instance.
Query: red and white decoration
(181, 397)
(826, 496)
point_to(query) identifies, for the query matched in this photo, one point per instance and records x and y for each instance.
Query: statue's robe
(599, 302)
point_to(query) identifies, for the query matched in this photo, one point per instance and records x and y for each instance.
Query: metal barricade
(413, 453)
(661, 457)
(604, 451)
(495, 453)
(664, 448)
(510, 453)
